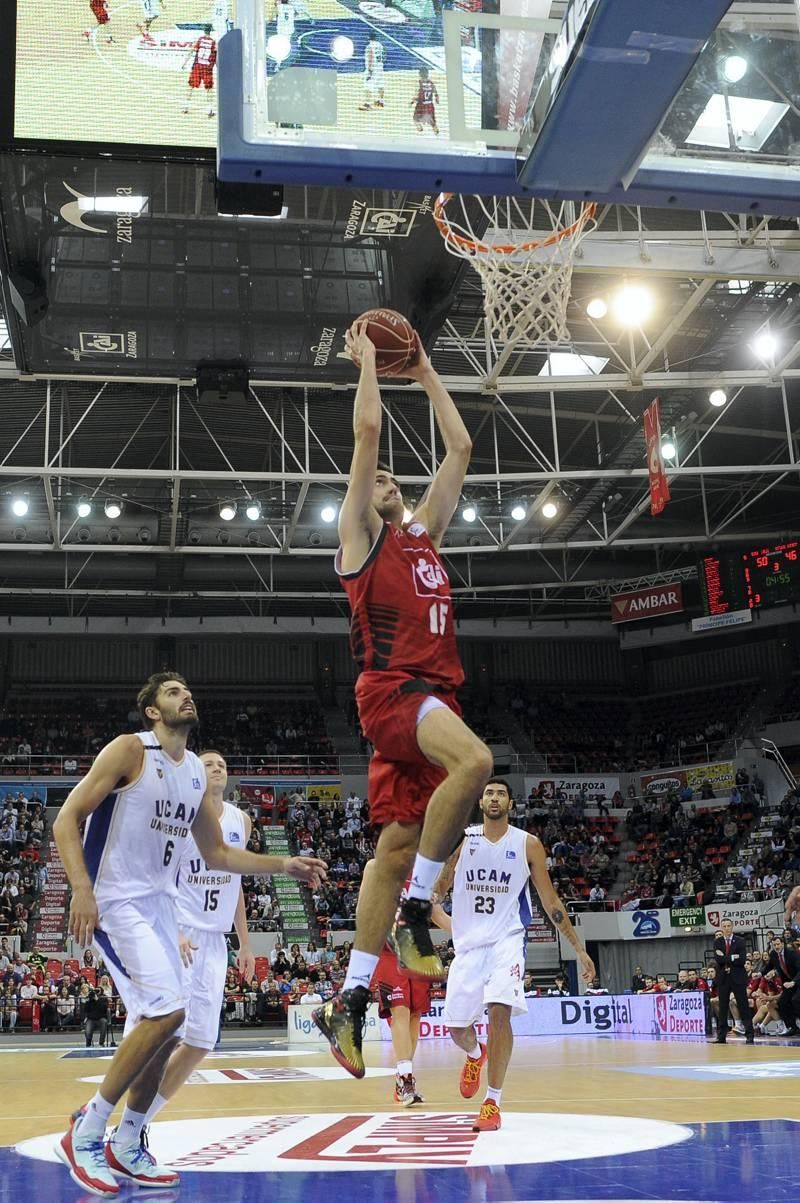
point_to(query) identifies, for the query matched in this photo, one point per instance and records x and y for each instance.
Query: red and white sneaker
(405, 1090)
(489, 1119)
(470, 1078)
(86, 1161)
(135, 1164)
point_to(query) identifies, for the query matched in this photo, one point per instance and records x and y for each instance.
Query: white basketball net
(526, 272)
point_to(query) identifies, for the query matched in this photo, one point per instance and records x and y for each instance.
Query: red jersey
(402, 611)
(205, 52)
(426, 94)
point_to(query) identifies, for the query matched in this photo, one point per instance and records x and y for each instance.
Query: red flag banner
(659, 485)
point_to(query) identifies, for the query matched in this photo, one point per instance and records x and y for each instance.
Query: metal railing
(239, 766)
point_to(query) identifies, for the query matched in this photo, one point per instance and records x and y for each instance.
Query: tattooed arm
(554, 907)
(444, 883)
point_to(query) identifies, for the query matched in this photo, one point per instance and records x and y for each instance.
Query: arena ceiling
(100, 403)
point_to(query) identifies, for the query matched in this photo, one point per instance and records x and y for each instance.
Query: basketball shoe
(470, 1078)
(405, 1090)
(86, 1160)
(341, 1022)
(489, 1119)
(135, 1164)
(410, 940)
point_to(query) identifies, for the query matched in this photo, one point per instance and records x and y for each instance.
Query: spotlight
(469, 513)
(668, 449)
(765, 345)
(253, 538)
(113, 508)
(597, 308)
(718, 397)
(227, 511)
(84, 534)
(20, 534)
(279, 47)
(84, 507)
(20, 507)
(519, 512)
(633, 305)
(342, 49)
(143, 534)
(223, 537)
(549, 509)
(114, 534)
(253, 510)
(315, 538)
(734, 68)
(328, 513)
(195, 536)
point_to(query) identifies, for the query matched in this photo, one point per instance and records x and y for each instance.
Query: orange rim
(494, 248)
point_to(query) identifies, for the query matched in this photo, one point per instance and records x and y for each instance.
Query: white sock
(492, 1095)
(475, 1055)
(157, 1104)
(129, 1130)
(98, 1113)
(360, 969)
(404, 1067)
(424, 878)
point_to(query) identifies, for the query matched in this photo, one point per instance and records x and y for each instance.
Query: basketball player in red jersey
(203, 63)
(101, 15)
(402, 1001)
(427, 767)
(424, 103)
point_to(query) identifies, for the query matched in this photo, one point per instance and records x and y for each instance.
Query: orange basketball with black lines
(395, 340)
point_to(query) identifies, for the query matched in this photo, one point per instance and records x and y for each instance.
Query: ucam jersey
(207, 898)
(491, 890)
(135, 838)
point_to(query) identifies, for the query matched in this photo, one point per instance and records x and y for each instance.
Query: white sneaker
(739, 1027)
(86, 1160)
(135, 1164)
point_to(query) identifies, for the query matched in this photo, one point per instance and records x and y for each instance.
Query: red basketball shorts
(100, 11)
(397, 989)
(202, 76)
(400, 780)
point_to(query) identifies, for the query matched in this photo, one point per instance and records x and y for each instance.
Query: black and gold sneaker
(410, 940)
(341, 1022)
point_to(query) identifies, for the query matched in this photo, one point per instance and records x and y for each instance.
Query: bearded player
(490, 875)
(427, 767)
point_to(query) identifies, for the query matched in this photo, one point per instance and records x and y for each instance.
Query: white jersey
(285, 19)
(134, 840)
(207, 898)
(491, 891)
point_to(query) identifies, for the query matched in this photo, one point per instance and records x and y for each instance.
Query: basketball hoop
(526, 279)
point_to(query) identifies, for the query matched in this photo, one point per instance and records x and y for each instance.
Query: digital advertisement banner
(592, 784)
(721, 775)
(641, 1014)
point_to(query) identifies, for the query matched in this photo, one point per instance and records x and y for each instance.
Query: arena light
(84, 507)
(253, 510)
(279, 47)
(20, 507)
(549, 509)
(135, 205)
(227, 511)
(718, 397)
(668, 449)
(328, 512)
(735, 68)
(469, 513)
(519, 512)
(597, 308)
(342, 49)
(633, 305)
(113, 508)
(765, 345)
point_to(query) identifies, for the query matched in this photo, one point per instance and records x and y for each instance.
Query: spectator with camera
(95, 1016)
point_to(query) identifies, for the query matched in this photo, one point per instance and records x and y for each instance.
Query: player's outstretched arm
(553, 905)
(119, 763)
(792, 906)
(219, 855)
(359, 521)
(440, 917)
(442, 497)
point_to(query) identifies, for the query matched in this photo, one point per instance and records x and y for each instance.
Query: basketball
(395, 340)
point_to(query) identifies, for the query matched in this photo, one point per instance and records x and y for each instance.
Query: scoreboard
(751, 580)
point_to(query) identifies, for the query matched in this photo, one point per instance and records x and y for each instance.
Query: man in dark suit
(730, 953)
(785, 963)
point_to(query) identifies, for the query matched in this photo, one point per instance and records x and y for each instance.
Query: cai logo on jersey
(429, 576)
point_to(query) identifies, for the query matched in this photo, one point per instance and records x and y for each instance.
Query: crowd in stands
(265, 730)
(339, 833)
(690, 727)
(575, 731)
(787, 707)
(23, 824)
(68, 995)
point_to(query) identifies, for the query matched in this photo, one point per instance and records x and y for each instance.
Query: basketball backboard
(686, 104)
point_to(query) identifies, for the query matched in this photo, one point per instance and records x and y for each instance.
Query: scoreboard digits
(751, 580)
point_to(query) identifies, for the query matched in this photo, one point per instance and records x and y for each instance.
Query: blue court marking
(722, 1071)
(750, 1162)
